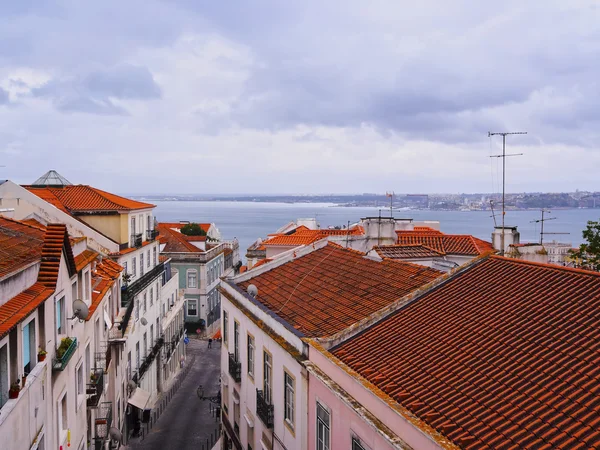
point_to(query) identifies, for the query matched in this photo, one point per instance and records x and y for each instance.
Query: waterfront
(249, 220)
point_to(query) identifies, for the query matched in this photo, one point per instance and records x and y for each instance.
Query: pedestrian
(209, 343)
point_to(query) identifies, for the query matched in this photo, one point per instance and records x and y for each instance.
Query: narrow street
(187, 422)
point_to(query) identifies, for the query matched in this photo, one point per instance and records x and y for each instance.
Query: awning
(140, 399)
(217, 335)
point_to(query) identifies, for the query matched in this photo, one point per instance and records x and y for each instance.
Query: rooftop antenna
(391, 196)
(541, 221)
(504, 156)
(493, 216)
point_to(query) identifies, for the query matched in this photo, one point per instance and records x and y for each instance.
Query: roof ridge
(547, 265)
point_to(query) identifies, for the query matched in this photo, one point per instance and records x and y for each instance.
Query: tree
(589, 253)
(193, 229)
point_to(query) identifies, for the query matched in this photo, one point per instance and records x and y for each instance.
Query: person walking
(209, 343)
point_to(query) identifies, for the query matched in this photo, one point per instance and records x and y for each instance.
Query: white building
(313, 291)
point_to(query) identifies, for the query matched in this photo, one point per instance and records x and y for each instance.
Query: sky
(267, 96)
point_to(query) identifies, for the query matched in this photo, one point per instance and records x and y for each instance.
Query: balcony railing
(95, 388)
(136, 240)
(102, 425)
(59, 364)
(151, 235)
(235, 368)
(264, 411)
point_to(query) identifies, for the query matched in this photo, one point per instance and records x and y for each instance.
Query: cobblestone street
(188, 422)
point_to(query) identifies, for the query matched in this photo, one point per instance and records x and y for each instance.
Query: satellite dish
(252, 290)
(80, 310)
(115, 434)
(144, 321)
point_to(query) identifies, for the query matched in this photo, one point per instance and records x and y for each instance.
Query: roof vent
(252, 291)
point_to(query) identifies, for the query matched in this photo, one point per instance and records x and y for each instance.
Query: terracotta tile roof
(329, 289)
(505, 354)
(426, 229)
(55, 242)
(163, 258)
(175, 242)
(34, 223)
(304, 236)
(455, 244)
(82, 198)
(20, 245)
(243, 269)
(261, 262)
(194, 238)
(178, 225)
(19, 307)
(407, 251)
(84, 258)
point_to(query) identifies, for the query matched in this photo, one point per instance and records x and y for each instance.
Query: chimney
(511, 236)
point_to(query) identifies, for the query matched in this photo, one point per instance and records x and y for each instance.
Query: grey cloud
(95, 92)
(3, 96)
(123, 82)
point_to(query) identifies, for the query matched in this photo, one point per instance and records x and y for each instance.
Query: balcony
(264, 410)
(151, 235)
(95, 388)
(136, 240)
(63, 355)
(102, 425)
(235, 368)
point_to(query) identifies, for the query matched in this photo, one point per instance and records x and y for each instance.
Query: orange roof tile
(20, 245)
(243, 269)
(84, 258)
(502, 355)
(55, 243)
(329, 289)
(407, 251)
(175, 242)
(455, 244)
(426, 229)
(304, 236)
(81, 198)
(104, 277)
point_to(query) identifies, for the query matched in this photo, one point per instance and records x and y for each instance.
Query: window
(356, 445)
(268, 377)
(251, 356)
(225, 326)
(88, 364)
(4, 370)
(154, 252)
(137, 309)
(150, 227)
(80, 388)
(145, 303)
(236, 340)
(151, 296)
(74, 290)
(151, 335)
(86, 286)
(141, 264)
(137, 355)
(323, 428)
(192, 307)
(133, 229)
(60, 316)
(148, 263)
(133, 266)
(124, 267)
(192, 278)
(145, 344)
(288, 398)
(29, 348)
(63, 423)
(250, 437)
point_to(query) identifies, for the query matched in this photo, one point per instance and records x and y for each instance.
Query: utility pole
(503, 156)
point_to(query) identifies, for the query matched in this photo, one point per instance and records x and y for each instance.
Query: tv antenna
(541, 221)
(391, 196)
(493, 216)
(504, 156)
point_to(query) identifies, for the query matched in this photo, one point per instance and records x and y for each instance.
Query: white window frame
(187, 307)
(325, 444)
(148, 263)
(251, 349)
(193, 272)
(289, 398)
(80, 393)
(268, 377)
(225, 327)
(63, 318)
(134, 267)
(62, 427)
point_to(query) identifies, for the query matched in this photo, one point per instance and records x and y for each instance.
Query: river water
(249, 220)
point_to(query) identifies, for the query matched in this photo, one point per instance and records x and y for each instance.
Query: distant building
(198, 263)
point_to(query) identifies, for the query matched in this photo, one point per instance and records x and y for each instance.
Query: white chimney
(511, 236)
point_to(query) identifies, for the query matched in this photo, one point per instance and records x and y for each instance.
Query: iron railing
(102, 425)
(95, 388)
(151, 235)
(264, 411)
(59, 364)
(136, 240)
(235, 368)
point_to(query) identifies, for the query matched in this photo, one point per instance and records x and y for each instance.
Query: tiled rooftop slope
(332, 288)
(505, 355)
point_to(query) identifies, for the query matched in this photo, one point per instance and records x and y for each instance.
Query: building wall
(109, 225)
(282, 361)
(389, 417)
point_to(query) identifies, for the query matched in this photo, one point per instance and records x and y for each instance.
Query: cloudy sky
(271, 96)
